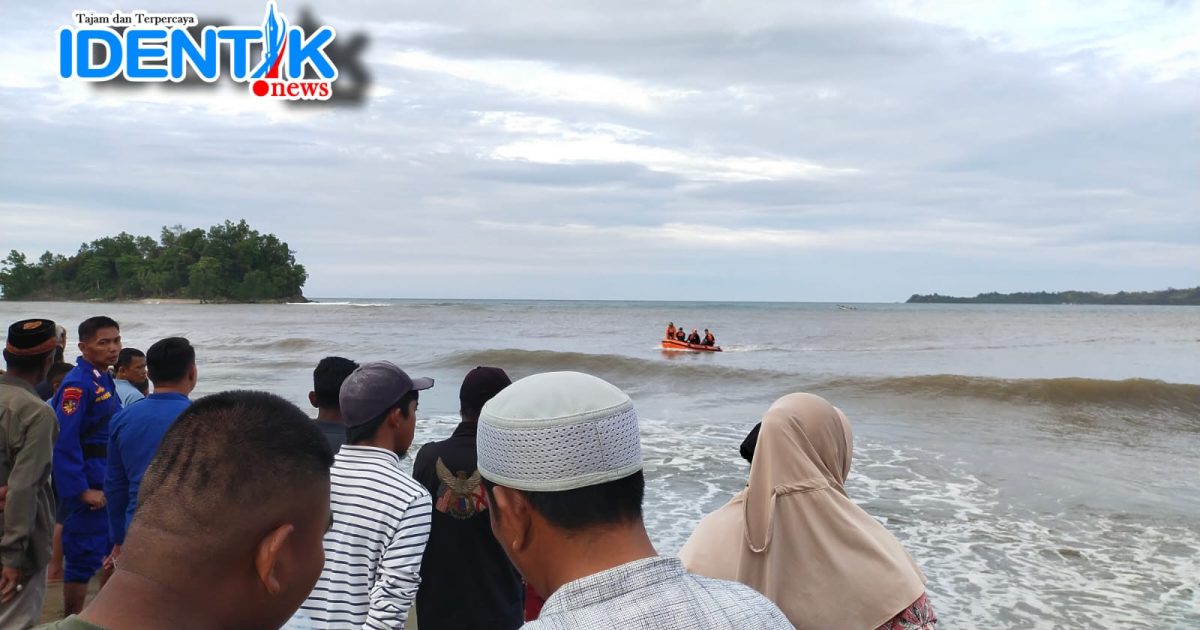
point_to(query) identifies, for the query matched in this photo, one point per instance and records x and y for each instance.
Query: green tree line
(1169, 297)
(228, 262)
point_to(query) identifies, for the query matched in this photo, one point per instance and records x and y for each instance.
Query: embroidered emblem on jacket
(460, 496)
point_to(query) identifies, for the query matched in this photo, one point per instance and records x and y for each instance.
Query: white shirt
(656, 594)
(373, 551)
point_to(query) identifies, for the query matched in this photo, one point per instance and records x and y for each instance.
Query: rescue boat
(671, 344)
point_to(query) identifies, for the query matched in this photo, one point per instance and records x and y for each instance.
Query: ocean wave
(372, 304)
(753, 348)
(1136, 393)
(1130, 395)
(256, 343)
(622, 368)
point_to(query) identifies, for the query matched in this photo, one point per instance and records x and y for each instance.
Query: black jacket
(466, 580)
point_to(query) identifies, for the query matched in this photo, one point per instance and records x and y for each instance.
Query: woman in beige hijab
(795, 536)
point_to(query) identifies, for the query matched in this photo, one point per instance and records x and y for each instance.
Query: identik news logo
(290, 65)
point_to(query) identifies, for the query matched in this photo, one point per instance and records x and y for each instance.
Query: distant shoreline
(1169, 297)
(985, 298)
(154, 300)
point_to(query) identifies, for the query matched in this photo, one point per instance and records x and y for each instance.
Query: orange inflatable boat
(671, 344)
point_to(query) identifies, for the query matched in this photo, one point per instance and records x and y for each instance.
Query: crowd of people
(237, 510)
(678, 333)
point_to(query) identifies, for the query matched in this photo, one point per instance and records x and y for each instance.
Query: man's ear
(514, 519)
(312, 399)
(403, 415)
(266, 559)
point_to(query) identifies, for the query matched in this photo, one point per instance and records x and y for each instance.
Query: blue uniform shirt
(133, 439)
(84, 404)
(128, 393)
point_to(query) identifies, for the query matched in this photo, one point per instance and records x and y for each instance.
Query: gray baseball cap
(374, 388)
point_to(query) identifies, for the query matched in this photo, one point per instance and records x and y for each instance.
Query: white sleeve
(399, 573)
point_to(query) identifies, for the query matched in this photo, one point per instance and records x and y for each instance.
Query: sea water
(1039, 462)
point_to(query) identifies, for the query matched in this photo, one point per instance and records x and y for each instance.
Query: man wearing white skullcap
(561, 459)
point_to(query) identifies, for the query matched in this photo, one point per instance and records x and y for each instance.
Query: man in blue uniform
(135, 433)
(84, 403)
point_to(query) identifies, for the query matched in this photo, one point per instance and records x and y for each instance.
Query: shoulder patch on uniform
(70, 399)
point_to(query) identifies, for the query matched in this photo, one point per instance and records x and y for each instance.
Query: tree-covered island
(1169, 297)
(227, 263)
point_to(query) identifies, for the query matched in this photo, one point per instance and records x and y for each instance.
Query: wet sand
(52, 607)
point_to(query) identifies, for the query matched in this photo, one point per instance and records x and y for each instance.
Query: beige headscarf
(795, 536)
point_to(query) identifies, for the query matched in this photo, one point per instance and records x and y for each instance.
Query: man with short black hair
(228, 532)
(27, 432)
(328, 377)
(135, 432)
(130, 376)
(380, 514)
(84, 404)
(561, 459)
(462, 555)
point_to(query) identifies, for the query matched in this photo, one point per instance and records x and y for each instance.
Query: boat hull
(671, 344)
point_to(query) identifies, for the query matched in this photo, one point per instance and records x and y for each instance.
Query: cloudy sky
(787, 150)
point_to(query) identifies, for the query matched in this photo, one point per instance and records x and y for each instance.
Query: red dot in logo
(260, 88)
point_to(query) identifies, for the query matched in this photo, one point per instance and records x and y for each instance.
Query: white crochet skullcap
(558, 431)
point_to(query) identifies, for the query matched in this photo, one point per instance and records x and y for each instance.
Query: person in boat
(694, 337)
(680, 335)
(670, 330)
(709, 339)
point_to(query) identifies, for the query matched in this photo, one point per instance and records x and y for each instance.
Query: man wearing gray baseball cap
(380, 514)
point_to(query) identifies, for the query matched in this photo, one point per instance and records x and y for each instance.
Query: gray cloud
(835, 152)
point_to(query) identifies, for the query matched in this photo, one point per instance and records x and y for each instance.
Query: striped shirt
(373, 551)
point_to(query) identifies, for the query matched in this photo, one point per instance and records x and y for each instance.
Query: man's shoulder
(456, 452)
(728, 595)
(79, 374)
(23, 401)
(79, 382)
(379, 475)
(427, 455)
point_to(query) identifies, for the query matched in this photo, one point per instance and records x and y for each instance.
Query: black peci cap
(480, 385)
(31, 337)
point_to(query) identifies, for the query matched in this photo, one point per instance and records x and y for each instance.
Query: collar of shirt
(349, 451)
(167, 396)
(466, 429)
(600, 587)
(87, 365)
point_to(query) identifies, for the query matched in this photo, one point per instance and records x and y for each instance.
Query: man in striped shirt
(380, 514)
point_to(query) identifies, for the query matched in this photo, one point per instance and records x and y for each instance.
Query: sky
(616, 149)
